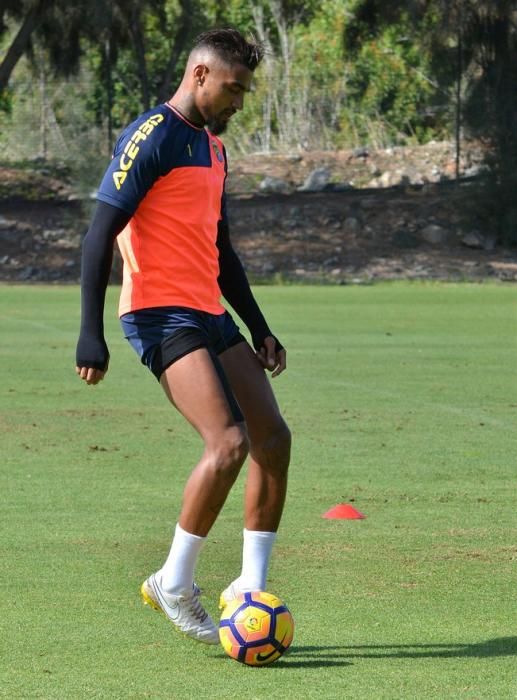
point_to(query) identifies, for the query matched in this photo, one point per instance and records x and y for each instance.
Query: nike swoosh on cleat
(172, 611)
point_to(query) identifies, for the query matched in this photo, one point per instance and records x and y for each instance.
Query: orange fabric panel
(169, 246)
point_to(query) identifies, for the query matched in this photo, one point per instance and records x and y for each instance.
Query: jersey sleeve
(136, 163)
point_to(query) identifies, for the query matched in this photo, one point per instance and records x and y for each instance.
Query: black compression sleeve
(236, 290)
(97, 256)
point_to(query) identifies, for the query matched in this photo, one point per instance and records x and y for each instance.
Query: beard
(217, 126)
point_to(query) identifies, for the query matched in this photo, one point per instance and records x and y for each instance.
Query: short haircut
(231, 46)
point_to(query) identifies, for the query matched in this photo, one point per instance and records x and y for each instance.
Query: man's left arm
(236, 290)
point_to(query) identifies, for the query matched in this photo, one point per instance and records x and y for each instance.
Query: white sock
(177, 574)
(256, 552)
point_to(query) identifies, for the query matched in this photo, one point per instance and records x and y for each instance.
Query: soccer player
(162, 198)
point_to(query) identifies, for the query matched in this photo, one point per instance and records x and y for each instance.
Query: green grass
(402, 400)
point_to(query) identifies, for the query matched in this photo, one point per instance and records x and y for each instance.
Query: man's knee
(274, 449)
(230, 452)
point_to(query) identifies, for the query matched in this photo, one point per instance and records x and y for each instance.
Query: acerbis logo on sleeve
(131, 149)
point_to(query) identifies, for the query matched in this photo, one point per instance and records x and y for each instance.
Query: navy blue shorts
(162, 335)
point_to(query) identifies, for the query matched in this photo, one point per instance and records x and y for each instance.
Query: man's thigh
(194, 386)
(253, 391)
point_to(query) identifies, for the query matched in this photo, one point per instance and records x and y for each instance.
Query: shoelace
(197, 609)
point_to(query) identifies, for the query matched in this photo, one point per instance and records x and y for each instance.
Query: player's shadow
(310, 657)
(319, 656)
(313, 657)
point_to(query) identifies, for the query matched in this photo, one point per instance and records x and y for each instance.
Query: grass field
(402, 400)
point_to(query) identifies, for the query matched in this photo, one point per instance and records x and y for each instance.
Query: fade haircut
(231, 46)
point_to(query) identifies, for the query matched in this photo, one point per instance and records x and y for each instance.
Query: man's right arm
(92, 354)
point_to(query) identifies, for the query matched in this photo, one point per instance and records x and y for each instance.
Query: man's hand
(272, 356)
(92, 359)
(91, 375)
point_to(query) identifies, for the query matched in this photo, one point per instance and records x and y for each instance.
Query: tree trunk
(137, 36)
(21, 41)
(459, 77)
(269, 62)
(107, 58)
(178, 44)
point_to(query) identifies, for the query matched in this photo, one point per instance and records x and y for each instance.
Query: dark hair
(231, 46)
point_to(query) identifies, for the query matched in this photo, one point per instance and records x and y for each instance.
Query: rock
(274, 185)
(14, 235)
(435, 234)
(268, 268)
(316, 181)
(404, 239)
(27, 273)
(449, 170)
(369, 203)
(67, 243)
(361, 152)
(504, 270)
(435, 175)
(473, 239)
(388, 179)
(401, 176)
(476, 170)
(290, 224)
(490, 242)
(412, 176)
(351, 225)
(53, 234)
(338, 187)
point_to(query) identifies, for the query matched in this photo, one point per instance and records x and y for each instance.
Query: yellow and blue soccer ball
(256, 628)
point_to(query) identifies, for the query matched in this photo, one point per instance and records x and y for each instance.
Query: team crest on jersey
(217, 152)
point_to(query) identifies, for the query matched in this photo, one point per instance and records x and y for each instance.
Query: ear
(200, 72)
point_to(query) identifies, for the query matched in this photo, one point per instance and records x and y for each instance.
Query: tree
(392, 78)
(490, 32)
(299, 87)
(473, 44)
(30, 14)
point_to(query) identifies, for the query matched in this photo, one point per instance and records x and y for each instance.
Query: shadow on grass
(313, 657)
(316, 656)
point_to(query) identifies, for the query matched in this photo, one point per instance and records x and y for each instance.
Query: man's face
(221, 93)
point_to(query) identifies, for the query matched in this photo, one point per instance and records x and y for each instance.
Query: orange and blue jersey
(169, 176)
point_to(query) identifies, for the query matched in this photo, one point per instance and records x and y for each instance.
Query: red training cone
(343, 511)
